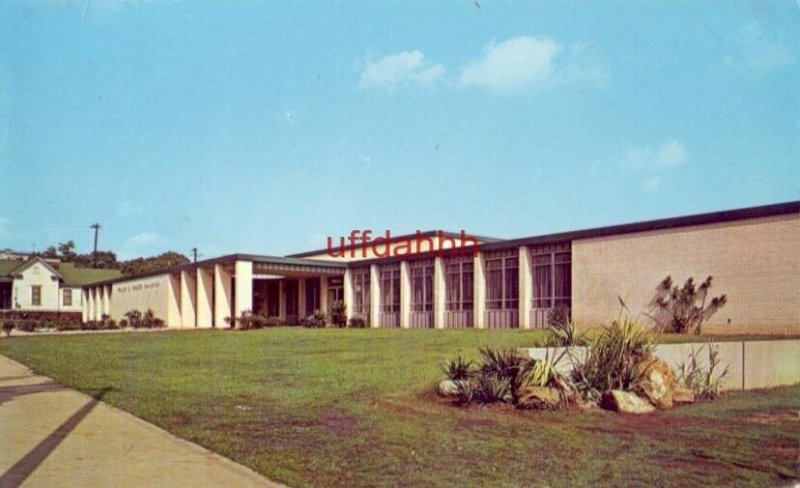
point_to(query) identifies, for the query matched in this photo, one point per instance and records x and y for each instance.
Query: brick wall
(756, 263)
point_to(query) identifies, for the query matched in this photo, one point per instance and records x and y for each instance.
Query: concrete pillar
(374, 296)
(301, 298)
(479, 292)
(173, 318)
(525, 288)
(189, 299)
(323, 294)
(108, 299)
(244, 287)
(222, 296)
(205, 298)
(348, 293)
(405, 295)
(101, 302)
(282, 299)
(84, 304)
(93, 303)
(439, 292)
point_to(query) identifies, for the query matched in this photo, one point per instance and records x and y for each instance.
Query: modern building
(35, 287)
(460, 281)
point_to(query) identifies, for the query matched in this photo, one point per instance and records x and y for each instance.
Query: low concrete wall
(751, 364)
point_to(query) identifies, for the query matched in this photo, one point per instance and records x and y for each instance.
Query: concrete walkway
(54, 436)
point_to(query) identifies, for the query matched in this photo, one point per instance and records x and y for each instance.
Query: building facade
(486, 283)
(34, 287)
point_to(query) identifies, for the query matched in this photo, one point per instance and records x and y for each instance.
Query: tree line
(65, 251)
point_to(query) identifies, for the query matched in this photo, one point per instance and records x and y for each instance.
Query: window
(458, 280)
(390, 288)
(422, 286)
(361, 283)
(552, 275)
(36, 295)
(67, 298)
(502, 281)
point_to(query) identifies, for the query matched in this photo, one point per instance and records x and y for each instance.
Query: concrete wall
(152, 293)
(756, 263)
(751, 364)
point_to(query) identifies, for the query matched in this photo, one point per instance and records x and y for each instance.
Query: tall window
(390, 288)
(458, 280)
(361, 292)
(36, 295)
(422, 286)
(552, 275)
(67, 297)
(502, 281)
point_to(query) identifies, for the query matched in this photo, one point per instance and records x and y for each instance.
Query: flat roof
(427, 233)
(490, 244)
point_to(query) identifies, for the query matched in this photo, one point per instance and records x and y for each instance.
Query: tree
(66, 249)
(683, 309)
(145, 265)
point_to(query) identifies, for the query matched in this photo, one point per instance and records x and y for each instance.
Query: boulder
(683, 395)
(657, 382)
(448, 388)
(539, 398)
(625, 402)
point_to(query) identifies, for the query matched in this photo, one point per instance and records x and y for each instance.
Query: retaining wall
(751, 364)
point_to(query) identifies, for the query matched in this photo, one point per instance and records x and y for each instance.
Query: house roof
(8, 266)
(77, 276)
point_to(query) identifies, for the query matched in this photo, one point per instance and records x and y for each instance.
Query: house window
(36, 295)
(67, 298)
(552, 275)
(390, 288)
(422, 286)
(361, 283)
(502, 281)
(458, 280)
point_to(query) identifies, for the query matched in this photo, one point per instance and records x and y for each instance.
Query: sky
(264, 127)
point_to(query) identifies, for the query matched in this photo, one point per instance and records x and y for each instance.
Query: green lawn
(354, 408)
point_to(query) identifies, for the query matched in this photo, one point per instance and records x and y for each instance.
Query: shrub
(134, 318)
(150, 321)
(7, 327)
(357, 322)
(565, 334)
(26, 325)
(508, 365)
(701, 379)
(274, 321)
(68, 324)
(458, 368)
(683, 309)
(315, 320)
(612, 363)
(558, 316)
(124, 323)
(338, 314)
(246, 320)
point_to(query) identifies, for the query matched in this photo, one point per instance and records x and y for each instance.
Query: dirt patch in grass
(339, 423)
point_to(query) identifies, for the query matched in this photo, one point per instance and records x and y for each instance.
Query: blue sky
(264, 127)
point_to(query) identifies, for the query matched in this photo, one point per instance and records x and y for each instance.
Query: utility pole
(194, 253)
(96, 228)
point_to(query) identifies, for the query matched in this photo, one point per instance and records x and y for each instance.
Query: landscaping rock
(448, 388)
(539, 398)
(683, 395)
(657, 383)
(625, 402)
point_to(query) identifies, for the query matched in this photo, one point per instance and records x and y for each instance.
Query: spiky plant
(459, 368)
(684, 309)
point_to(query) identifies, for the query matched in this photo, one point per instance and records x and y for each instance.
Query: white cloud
(512, 64)
(404, 68)
(671, 153)
(760, 52)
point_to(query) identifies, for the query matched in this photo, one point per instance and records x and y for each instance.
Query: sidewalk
(54, 436)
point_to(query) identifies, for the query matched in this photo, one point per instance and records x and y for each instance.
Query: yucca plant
(612, 363)
(459, 368)
(565, 334)
(506, 364)
(703, 381)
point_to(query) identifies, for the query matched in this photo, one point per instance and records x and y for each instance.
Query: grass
(355, 408)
